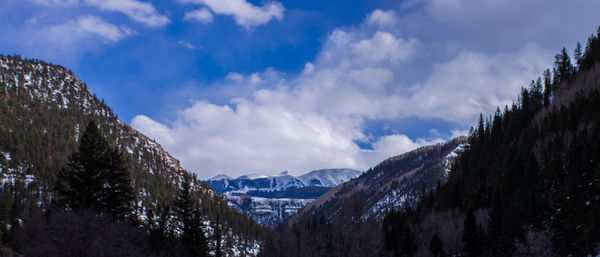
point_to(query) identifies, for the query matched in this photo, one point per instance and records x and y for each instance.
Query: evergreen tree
(80, 184)
(192, 234)
(471, 236)
(398, 237)
(436, 248)
(578, 54)
(547, 86)
(96, 177)
(118, 193)
(563, 66)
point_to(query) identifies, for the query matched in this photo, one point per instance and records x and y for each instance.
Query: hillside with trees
(528, 184)
(65, 156)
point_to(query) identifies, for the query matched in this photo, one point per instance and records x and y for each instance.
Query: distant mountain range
(271, 199)
(256, 184)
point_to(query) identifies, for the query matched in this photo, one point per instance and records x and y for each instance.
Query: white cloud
(420, 65)
(383, 18)
(504, 23)
(139, 11)
(187, 44)
(391, 145)
(143, 12)
(85, 27)
(202, 15)
(306, 122)
(383, 46)
(474, 83)
(212, 139)
(244, 13)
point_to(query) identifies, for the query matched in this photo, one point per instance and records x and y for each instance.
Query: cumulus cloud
(202, 15)
(304, 122)
(383, 46)
(251, 137)
(474, 83)
(244, 13)
(383, 18)
(421, 66)
(85, 27)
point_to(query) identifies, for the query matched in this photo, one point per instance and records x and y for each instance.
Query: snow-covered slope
(397, 197)
(392, 184)
(328, 177)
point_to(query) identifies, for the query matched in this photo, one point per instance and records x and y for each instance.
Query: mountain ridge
(432, 162)
(44, 107)
(244, 184)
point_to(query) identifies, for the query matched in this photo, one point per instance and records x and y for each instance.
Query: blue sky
(238, 86)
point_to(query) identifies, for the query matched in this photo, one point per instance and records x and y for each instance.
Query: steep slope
(271, 199)
(391, 184)
(44, 107)
(328, 177)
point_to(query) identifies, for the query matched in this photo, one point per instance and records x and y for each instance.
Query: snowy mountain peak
(328, 177)
(252, 176)
(283, 181)
(220, 177)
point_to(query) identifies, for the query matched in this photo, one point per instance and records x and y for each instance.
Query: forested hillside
(44, 110)
(528, 184)
(346, 220)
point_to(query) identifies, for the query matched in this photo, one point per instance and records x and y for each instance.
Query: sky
(243, 86)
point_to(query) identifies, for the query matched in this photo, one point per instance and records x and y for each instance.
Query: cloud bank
(317, 118)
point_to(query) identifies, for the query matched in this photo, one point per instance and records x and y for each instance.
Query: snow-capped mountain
(259, 184)
(271, 199)
(328, 177)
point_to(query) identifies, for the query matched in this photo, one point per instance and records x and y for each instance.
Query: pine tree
(189, 217)
(471, 236)
(547, 87)
(118, 194)
(80, 183)
(564, 68)
(578, 54)
(96, 177)
(436, 248)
